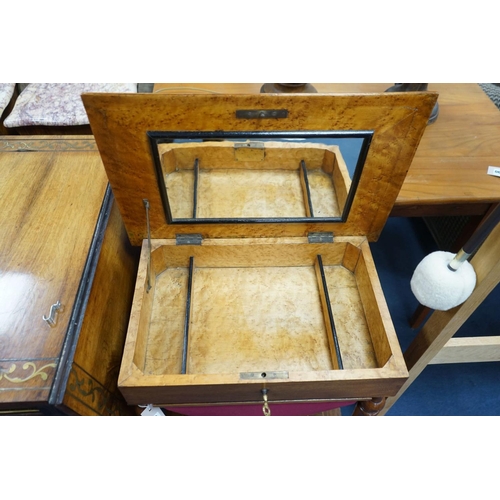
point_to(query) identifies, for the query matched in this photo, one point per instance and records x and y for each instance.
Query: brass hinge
(326, 237)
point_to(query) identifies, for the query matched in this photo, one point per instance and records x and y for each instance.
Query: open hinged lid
(267, 165)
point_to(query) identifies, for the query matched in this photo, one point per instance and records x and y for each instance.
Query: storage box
(256, 283)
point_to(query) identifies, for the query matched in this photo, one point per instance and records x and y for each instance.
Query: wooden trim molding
(469, 350)
(22, 144)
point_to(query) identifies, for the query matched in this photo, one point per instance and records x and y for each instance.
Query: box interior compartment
(258, 308)
(232, 198)
(254, 179)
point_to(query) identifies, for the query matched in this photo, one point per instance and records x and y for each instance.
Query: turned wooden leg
(370, 408)
(419, 316)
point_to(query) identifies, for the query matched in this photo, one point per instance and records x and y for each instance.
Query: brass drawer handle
(51, 321)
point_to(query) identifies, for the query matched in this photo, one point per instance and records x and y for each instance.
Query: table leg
(370, 408)
(420, 314)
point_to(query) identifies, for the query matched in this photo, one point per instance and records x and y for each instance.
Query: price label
(152, 411)
(494, 171)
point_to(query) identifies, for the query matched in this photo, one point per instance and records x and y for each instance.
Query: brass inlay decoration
(92, 394)
(13, 145)
(36, 372)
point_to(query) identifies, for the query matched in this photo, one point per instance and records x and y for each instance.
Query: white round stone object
(437, 287)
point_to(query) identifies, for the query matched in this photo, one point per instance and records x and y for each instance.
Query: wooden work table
(448, 173)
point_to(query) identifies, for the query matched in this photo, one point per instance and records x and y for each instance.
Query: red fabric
(280, 410)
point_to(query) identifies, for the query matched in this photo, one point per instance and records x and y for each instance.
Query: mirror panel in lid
(265, 163)
(250, 177)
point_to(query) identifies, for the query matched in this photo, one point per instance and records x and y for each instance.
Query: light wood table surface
(448, 173)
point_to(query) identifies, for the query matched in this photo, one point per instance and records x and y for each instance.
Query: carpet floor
(449, 389)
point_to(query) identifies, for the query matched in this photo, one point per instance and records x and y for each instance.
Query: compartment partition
(195, 186)
(306, 189)
(187, 316)
(327, 312)
(277, 313)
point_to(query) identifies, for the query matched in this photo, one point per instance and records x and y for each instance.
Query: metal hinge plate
(249, 151)
(326, 237)
(188, 239)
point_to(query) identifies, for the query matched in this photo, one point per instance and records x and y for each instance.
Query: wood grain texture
(269, 155)
(205, 389)
(54, 216)
(243, 253)
(257, 319)
(469, 350)
(454, 153)
(121, 122)
(448, 173)
(351, 256)
(355, 343)
(256, 308)
(43, 195)
(92, 385)
(377, 313)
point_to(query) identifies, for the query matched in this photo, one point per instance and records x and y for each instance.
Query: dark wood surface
(55, 229)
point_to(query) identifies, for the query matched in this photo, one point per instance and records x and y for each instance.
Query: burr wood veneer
(254, 307)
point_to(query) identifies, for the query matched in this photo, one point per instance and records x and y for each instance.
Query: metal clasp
(51, 320)
(265, 408)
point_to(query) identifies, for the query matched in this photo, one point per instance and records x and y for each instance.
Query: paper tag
(152, 411)
(494, 171)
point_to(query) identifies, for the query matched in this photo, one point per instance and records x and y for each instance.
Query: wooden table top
(51, 193)
(448, 173)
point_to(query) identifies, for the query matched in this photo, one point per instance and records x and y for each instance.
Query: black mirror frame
(166, 137)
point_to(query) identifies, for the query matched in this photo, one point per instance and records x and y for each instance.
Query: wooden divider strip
(328, 314)
(195, 188)
(304, 181)
(187, 318)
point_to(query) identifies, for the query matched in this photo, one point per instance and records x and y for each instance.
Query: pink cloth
(278, 410)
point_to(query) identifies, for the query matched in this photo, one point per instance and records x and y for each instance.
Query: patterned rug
(492, 90)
